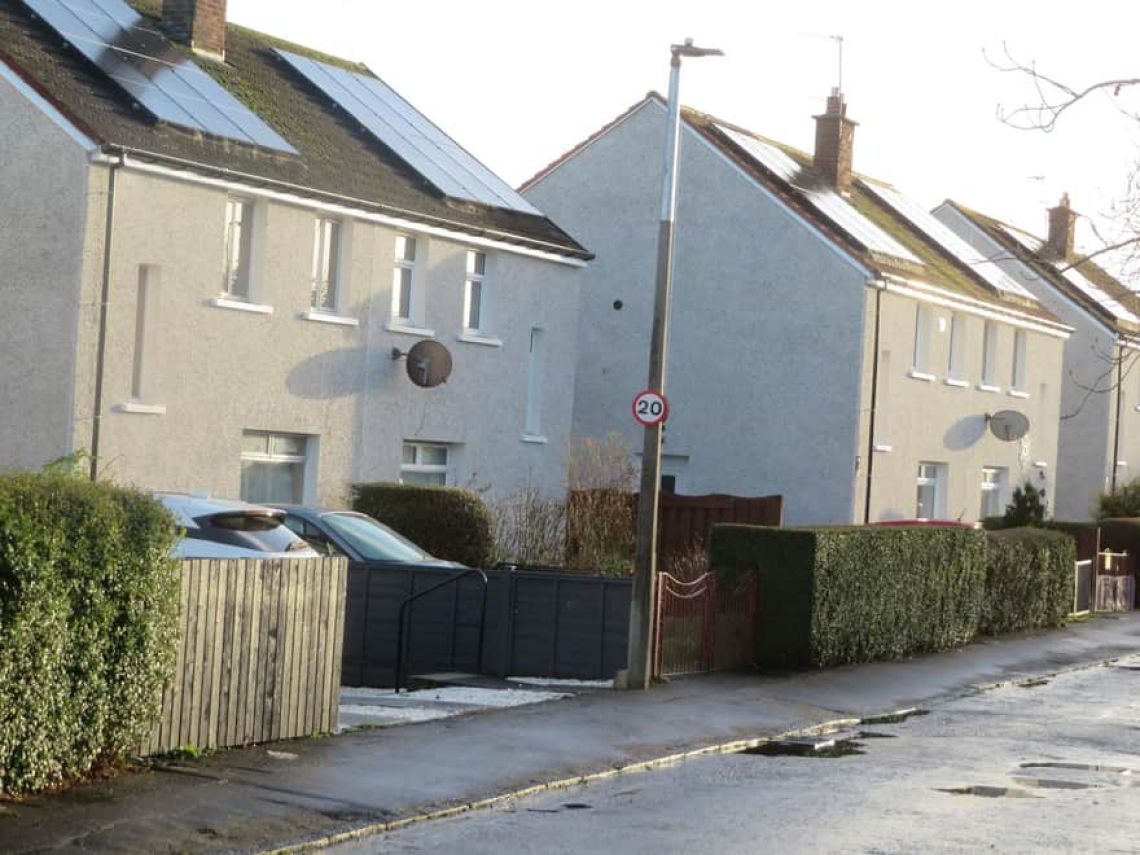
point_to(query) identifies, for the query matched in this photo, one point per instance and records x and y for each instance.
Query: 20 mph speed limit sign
(650, 408)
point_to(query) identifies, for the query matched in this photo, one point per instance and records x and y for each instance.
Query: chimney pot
(1062, 225)
(835, 143)
(199, 23)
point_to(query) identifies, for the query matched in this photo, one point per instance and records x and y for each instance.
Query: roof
(336, 158)
(1080, 279)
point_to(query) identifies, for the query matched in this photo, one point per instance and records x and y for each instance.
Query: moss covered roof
(938, 267)
(336, 157)
(1013, 240)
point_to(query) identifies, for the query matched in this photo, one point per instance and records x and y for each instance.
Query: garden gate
(706, 624)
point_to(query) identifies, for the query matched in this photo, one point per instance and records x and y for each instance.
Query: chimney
(199, 23)
(835, 142)
(1062, 221)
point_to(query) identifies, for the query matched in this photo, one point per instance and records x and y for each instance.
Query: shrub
(529, 529)
(830, 596)
(1026, 508)
(601, 506)
(1029, 579)
(1125, 502)
(449, 522)
(88, 624)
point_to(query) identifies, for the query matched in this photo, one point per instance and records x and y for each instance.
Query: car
(228, 528)
(358, 537)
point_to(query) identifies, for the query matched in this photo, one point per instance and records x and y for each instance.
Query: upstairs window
(403, 278)
(474, 318)
(326, 264)
(238, 248)
(923, 321)
(989, 354)
(1017, 377)
(956, 365)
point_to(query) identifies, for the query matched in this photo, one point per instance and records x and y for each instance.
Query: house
(829, 340)
(219, 249)
(1100, 392)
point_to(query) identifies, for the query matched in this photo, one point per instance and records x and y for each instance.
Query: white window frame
(532, 425)
(989, 355)
(416, 466)
(993, 488)
(307, 458)
(237, 260)
(401, 263)
(1017, 382)
(932, 474)
(475, 294)
(923, 342)
(956, 361)
(328, 242)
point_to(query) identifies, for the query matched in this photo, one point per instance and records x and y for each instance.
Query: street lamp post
(642, 612)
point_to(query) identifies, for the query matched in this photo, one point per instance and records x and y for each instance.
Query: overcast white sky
(517, 83)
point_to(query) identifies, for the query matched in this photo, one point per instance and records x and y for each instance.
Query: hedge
(88, 625)
(1029, 579)
(449, 522)
(830, 596)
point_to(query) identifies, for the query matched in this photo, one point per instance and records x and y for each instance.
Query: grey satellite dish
(428, 363)
(1008, 425)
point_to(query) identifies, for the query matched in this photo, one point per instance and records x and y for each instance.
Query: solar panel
(925, 222)
(409, 134)
(826, 200)
(136, 56)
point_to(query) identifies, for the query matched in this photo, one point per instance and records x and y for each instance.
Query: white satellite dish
(1008, 425)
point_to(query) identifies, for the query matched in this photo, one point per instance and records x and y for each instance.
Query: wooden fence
(259, 653)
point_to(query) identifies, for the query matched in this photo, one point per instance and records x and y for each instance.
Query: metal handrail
(450, 580)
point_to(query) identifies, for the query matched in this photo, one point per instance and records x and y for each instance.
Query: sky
(519, 83)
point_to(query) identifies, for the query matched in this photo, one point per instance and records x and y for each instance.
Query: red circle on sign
(650, 408)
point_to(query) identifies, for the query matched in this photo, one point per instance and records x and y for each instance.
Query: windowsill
(329, 318)
(883, 447)
(407, 329)
(983, 387)
(958, 384)
(921, 375)
(476, 338)
(1017, 393)
(534, 438)
(140, 408)
(239, 305)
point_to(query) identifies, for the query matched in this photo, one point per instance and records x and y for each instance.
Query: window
(424, 463)
(326, 264)
(403, 278)
(993, 489)
(533, 424)
(923, 318)
(238, 248)
(931, 487)
(273, 466)
(473, 292)
(145, 307)
(956, 366)
(989, 354)
(1017, 378)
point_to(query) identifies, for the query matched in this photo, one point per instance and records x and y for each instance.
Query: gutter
(113, 167)
(176, 167)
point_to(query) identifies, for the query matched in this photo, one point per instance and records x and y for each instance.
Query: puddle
(824, 749)
(1083, 767)
(577, 806)
(1128, 667)
(895, 717)
(870, 734)
(989, 792)
(1052, 784)
(1033, 684)
(566, 806)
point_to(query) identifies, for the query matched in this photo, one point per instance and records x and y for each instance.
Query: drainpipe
(104, 299)
(874, 403)
(1116, 425)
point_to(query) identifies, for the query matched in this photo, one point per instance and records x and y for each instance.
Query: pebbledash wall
(177, 399)
(771, 349)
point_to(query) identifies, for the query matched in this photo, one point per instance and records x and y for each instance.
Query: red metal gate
(704, 624)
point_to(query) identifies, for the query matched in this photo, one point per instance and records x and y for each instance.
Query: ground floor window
(273, 466)
(424, 463)
(993, 487)
(931, 491)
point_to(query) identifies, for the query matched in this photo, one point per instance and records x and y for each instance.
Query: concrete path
(291, 792)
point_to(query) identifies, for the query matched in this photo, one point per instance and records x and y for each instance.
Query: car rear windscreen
(258, 531)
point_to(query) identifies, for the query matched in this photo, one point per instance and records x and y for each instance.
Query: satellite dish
(428, 363)
(1008, 425)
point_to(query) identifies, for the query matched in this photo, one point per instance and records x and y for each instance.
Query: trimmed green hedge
(1029, 579)
(830, 596)
(449, 522)
(88, 624)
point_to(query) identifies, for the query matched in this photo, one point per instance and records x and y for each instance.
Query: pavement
(313, 792)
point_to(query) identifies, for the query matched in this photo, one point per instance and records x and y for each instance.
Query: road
(1051, 766)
